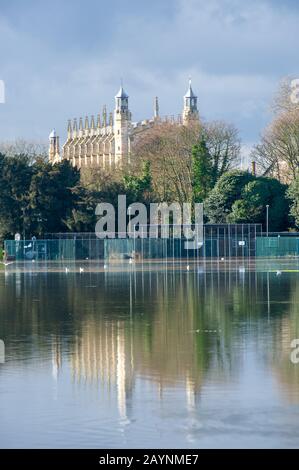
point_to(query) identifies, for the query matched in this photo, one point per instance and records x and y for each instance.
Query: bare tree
(278, 152)
(96, 178)
(168, 147)
(34, 149)
(283, 100)
(224, 145)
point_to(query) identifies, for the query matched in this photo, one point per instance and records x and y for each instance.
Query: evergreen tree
(51, 196)
(240, 197)
(256, 195)
(15, 176)
(139, 188)
(293, 194)
(202, 171)
(227, 190)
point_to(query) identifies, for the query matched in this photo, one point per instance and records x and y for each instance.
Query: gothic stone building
(109, 141)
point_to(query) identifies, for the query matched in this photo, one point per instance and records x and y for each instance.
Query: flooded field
(162, 354)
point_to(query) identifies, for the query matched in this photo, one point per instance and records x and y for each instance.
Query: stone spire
(104, 116)
(86, 126)
(80, 127)
(92, 126)
(75, 128)
(110, 119)
(69, 129)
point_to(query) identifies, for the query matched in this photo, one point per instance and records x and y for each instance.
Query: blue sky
(64, 59)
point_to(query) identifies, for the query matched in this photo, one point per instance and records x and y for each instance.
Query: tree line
(170, 162)
(39, 198)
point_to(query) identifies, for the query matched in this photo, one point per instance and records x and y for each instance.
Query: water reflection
(140, 336)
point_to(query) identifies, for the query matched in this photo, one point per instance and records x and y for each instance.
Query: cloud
(235, 51)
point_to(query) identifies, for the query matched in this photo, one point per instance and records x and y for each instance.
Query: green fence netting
(54, 250)
(220, 240)
(276, 247)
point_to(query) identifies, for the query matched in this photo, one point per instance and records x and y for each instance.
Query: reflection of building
(191, 394)
(108, 354)
(56, 357)
(108, 141)
(112, 353)
(166, 347)
(101, 354)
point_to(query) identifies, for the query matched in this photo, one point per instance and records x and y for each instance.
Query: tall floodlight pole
(23, 210)
(267, 220)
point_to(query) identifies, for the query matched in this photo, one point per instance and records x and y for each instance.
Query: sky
(65, 58)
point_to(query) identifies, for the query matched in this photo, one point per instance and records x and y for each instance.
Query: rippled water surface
(154, 358)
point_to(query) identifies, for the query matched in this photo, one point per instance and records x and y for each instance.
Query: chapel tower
(190, 111)
(122, 123)
(54, 151)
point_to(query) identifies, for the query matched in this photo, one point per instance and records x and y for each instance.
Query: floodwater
(158, 358)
